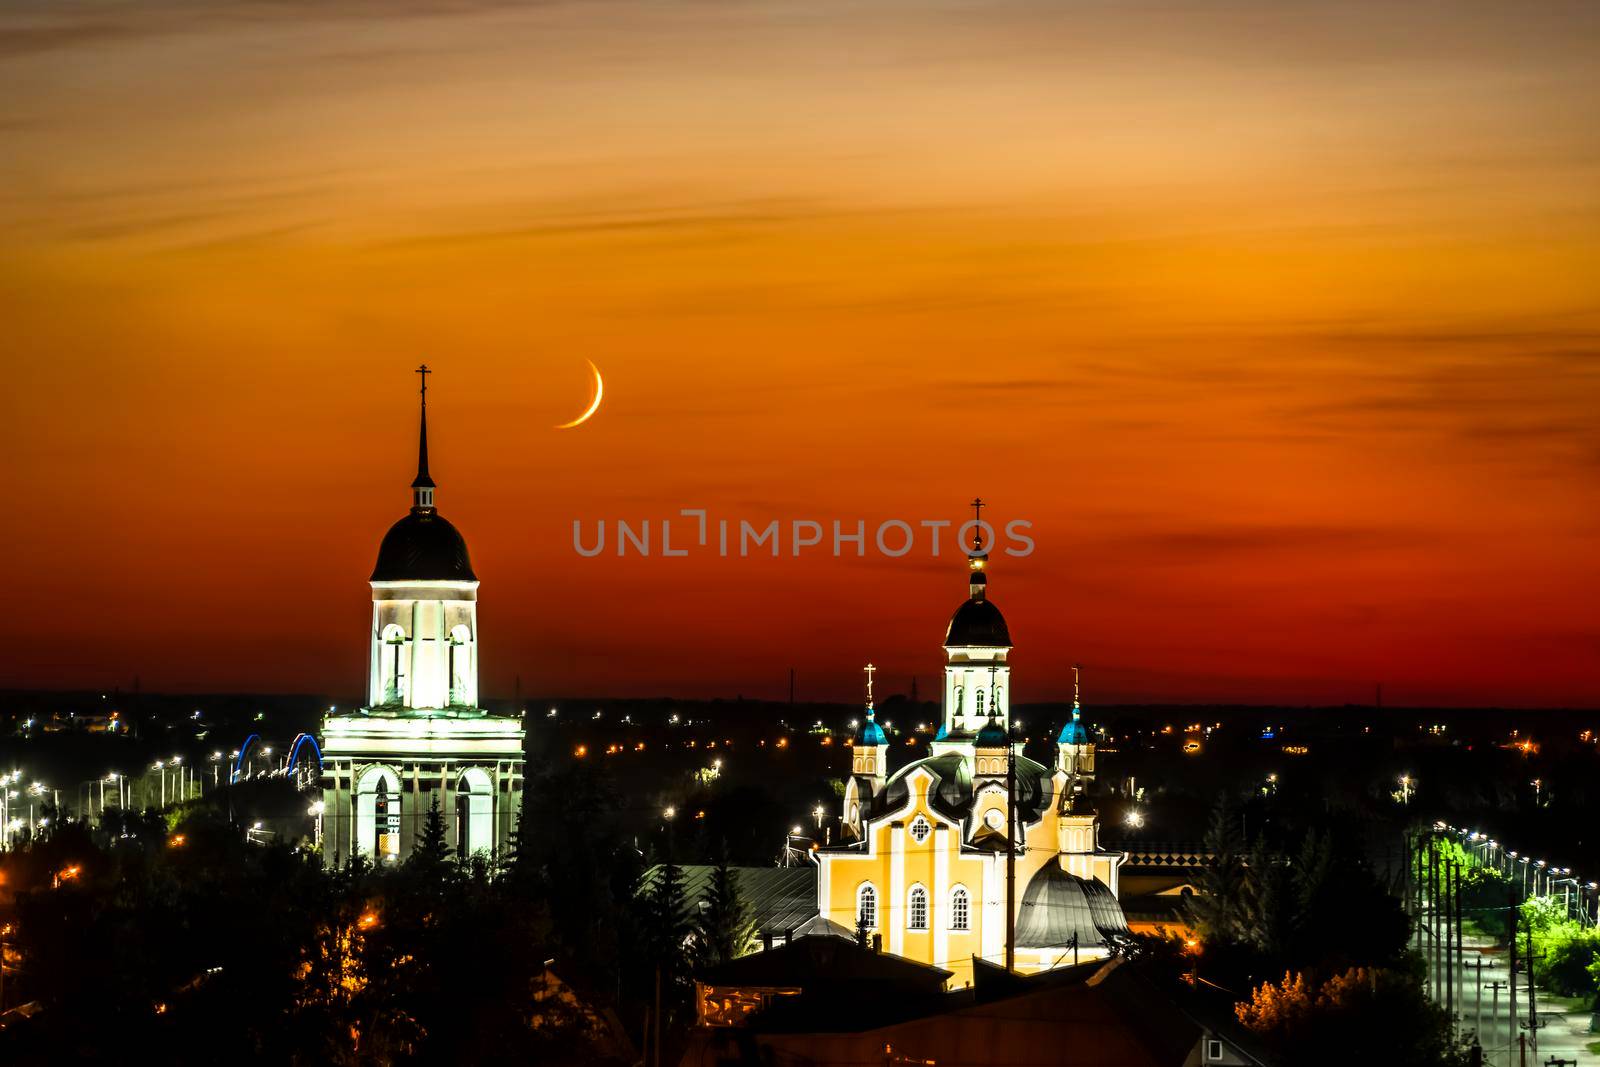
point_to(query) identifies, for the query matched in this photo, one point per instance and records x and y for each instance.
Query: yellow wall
(894, 862)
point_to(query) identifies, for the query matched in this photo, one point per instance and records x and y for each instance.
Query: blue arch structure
(294, 750)
(243, 750)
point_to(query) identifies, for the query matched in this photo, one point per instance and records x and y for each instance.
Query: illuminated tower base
(382, 772)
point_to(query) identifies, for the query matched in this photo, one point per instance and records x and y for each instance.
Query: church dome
(992, 735)
(423, 547)
(871, 733)
(1058, 906)
(978, 623)
(1073, 733)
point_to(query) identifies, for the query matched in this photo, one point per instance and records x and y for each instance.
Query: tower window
(960, 909)
(867, 906)
(460, 665)
(917, 909)
(393, 665)
(980, 703)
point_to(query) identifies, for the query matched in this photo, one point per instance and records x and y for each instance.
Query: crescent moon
(594, 405)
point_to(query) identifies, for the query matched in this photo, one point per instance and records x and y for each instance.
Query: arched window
(917, 909)
(960, 909)
(393, 665)
(474, 794)
(378, 814)
(867, 906)
(960, 692)
(460, 665)
(980, 703)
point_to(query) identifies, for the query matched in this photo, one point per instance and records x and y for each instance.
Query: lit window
(867, 906)
(960, 909)
(980, 703)
(920, 829)
(917, 909)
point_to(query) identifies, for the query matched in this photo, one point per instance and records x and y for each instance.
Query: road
(1563, 1034)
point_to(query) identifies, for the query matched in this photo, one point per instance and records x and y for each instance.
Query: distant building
(924, 861)
(422, 737)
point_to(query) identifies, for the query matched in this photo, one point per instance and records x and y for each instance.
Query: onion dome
(991, 735)
(423, 546)
(1073, 733)
(871, 733)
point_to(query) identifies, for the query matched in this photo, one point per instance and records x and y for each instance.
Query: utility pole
(1445, 947)
(1511, 981)
(1460, 959)
(1494, 1015)
(1533, 1009)
(1011, 844)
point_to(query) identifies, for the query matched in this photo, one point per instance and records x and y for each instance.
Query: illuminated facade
(924, 863)
(421, 738)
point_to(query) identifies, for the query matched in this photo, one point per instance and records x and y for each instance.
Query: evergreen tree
(725, 926)
(521, 866)
(667, 925)
(432, 851)
(1217, 910)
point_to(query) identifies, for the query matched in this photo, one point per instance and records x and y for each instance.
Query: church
(930, 850)
(421, 739)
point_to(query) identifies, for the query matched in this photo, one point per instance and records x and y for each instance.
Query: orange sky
(1279, 322)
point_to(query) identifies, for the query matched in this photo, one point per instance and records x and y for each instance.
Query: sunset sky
(1279, 321)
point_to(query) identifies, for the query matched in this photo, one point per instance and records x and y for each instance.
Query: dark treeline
(175, 936)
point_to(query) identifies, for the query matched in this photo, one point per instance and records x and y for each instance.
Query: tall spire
(977, 580)
(422, 485)
(871, 732)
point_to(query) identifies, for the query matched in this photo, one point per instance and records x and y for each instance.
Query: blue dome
(993, 735)
(871, 733)
(1073, 733)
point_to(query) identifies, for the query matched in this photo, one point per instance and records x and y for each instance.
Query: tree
(666, 924)
(1217, 911)
(432, 851)
(1362, 1014)
(725, 927)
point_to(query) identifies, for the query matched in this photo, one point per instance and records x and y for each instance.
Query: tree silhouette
(432, 852)
(724, 926)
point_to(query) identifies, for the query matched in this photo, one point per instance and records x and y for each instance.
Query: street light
(1134, 818)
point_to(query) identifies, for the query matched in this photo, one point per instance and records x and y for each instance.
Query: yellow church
(923, 867)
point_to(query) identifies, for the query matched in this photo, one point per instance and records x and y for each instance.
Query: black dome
(978, 622)
(422, 547)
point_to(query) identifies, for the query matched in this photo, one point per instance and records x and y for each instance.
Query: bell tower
(977, 676)
(422, 738)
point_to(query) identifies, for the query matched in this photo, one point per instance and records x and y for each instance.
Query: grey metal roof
(1058, 906)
